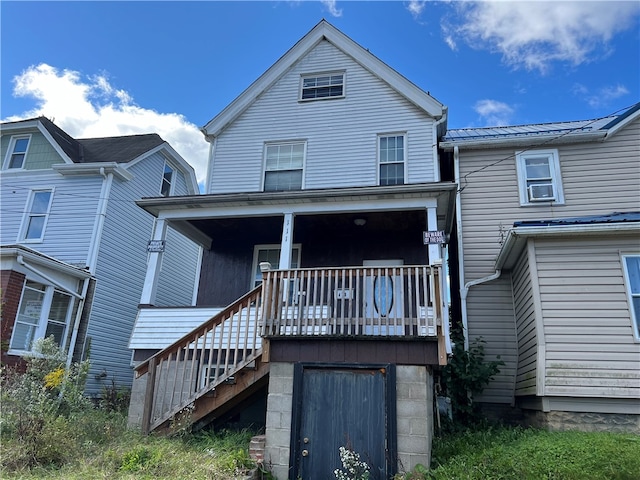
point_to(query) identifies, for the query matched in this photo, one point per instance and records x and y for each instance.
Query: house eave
(323, 31)
(9, 252)
(517, 237)
(523, 141)
(77, 169)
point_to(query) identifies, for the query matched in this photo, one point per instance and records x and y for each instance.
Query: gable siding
(589, 341)
(72, 215)
(490, 205)
(120, 273)
(526, 327)
(40, 154)
(341, 134)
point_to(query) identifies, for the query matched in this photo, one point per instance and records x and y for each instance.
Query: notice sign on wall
(156, 246)
(434, 237)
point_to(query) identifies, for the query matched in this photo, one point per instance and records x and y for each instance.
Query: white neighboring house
(74, 242)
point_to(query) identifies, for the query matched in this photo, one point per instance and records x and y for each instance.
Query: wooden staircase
(206, 372)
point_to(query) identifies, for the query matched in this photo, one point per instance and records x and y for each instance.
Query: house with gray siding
(548, 226)
(74, 243)
(319, 289)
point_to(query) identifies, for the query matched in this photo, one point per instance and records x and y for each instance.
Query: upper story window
(17, 152)
(36, 215)
(632, 276)
(392, 156)
(539, 177)
(167, 181)
(283, 166)
(329, 85)
(43, 311)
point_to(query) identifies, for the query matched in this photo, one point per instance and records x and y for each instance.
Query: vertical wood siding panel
(341, 134)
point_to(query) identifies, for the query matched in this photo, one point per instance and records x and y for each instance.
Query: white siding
(72, 215)
(598, 178)
(589, 341)
(341, 134)
(121, 270)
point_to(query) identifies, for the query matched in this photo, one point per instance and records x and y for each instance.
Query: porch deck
(228, 351)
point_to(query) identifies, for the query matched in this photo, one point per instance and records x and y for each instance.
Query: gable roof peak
(323, 30)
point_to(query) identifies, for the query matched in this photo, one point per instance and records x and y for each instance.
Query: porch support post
(150, 287)
(287, 242)
(435, 251)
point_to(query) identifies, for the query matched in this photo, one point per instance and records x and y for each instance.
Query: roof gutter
(95, 168)
(516, 236)
(524, 140)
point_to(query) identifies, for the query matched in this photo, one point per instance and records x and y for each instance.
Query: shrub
(38, 405)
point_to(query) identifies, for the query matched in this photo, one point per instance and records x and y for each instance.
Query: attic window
(167, 181)
(318, 87)
(17, 152)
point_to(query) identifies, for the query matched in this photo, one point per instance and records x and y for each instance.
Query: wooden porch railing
(206, 357)
(379, 301)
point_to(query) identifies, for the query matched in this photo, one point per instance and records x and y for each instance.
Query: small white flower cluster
(355, 469)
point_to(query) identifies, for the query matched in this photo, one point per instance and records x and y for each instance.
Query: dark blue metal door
(343, 407)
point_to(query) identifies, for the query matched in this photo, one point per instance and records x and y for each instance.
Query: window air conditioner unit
(541, 192)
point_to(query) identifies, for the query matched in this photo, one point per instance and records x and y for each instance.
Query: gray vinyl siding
(40, 153)
(178, 272)
(341, 134)
(525, 327)
(120, 273)
(598, 178)
(589, 342)
(72, 216)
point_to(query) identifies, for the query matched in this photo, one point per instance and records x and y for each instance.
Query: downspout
(464, 290)
(92, 257)
(436, 173)
(76, 322)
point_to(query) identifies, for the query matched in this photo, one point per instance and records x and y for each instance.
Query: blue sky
(118, 68)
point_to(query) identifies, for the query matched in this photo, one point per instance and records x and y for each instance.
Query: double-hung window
(284, 163)
(17, 152)
(44, 311)
(631, 265)
(539, 177)
(392, 159)
(36, 215)
(324, 86)
(167, 181)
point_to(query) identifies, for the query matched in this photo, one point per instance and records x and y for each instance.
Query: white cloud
(416, 7)
(533, 35)
(493, 112)
(332, 7)
(601, 97)
(92, 107)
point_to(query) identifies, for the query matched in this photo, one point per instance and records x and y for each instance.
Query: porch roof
(181, 210)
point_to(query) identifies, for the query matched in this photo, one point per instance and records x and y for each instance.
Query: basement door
(352, 406)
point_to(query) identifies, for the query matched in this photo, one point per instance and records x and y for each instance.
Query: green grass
(517, 453)
(113, 452)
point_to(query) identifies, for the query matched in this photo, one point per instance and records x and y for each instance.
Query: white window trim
(270, 246)
(9, 154)
(556, 178)
(264, 161)
(404, 160)
(44, 317)
(173, 178)
(323, 74)
(27, 216)
(635, 322)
